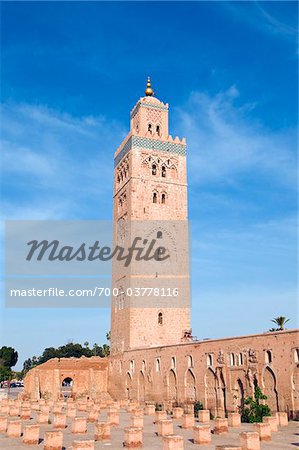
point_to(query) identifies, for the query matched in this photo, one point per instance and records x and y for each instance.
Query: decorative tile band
(152, 144)
(147, 105)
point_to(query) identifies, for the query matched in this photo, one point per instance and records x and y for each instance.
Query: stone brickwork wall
(220, 373)
(89, 378)
(150, 185)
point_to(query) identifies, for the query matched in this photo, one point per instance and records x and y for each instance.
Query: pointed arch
(210, 391)
(190, 385)
(128, 386)
(141, 387)
(269, 385)
(172, 385)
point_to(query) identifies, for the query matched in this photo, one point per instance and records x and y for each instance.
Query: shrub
(253, 410)
(197, 407)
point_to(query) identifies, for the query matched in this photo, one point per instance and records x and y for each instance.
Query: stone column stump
(228, 447)
(14, 429)
(44, 408)
(173, 442)
(59, 420)
(71, 411)
(220, 426)
(132, 406)
(82, 406)
(42, 418)
(272, 421)
(202, 434)
(264, 431)
(188, 421)
(282, 419)
(14, 411)
(3, 424)
(102, 431)
(93, 416)
(165, 427)
(113, 417)
(234, 420)
(250, 440)
(5, 409)
(204, 416)
(53, 440)
(35, 405)
(177, 412)
(137, 421)
(31, 434)
(133, 437)
(138, 412)
(160, 415)
(83, 445)
(57, 409)
(150, 410)
(79, 425)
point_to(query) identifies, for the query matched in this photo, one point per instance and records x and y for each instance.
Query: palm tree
(280, 321)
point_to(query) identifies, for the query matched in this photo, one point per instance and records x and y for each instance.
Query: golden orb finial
(148, 91)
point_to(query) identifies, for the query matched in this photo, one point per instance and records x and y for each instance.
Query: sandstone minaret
(150, 185)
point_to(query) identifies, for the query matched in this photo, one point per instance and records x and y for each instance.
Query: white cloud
(54, 164)
(224, 141)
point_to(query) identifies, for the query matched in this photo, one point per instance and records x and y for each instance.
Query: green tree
(106, 350)
(108, 335)
(280, 321)
(5, 373)
(253, 410)
(8, 356)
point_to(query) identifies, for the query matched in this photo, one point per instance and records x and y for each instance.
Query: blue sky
(71, 73)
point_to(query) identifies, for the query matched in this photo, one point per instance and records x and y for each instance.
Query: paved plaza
(284, 438)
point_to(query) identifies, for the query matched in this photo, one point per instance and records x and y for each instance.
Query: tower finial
(148, 91)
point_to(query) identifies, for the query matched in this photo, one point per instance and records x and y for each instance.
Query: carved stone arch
(158, 128)
(211, 391)
(221, 392)
(172, 385)
(141, 386)
(173, 171)
(129, 386)
(238, 395)
(167, 241)
(295, 391)
(269, 388)
(190, 385)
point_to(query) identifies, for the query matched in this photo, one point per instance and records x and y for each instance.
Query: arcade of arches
(212, 372)
(218, 373)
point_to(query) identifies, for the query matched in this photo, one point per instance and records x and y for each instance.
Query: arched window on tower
(232, 359)
(158, 364)
(159, 235)
(158, 130)
(163, 199)
(240, 359)
(190, 361)
(149, 128)
(155, 197)
(160, 318)
(209, 360)
(132, 366)
(268, 357)
(296, 355)
(154, 169)
(163, 171)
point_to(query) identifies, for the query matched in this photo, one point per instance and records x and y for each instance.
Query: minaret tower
(150, 185)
